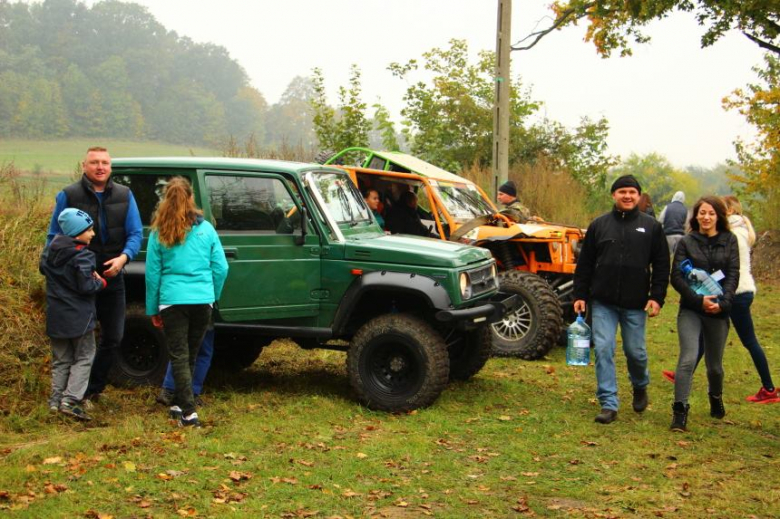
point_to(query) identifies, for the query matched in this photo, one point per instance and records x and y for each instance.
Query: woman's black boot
(716, 406)
(680, 417)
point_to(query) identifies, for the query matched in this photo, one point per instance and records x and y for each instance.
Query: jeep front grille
(482, 280)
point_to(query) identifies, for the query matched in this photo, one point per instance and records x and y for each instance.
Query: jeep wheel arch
(397, 362)
(531, 330)
(421, 292)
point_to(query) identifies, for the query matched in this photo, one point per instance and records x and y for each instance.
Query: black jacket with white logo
(624, 261)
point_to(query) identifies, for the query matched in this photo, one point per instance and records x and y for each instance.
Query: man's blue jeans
(202, 365)
(632, 329)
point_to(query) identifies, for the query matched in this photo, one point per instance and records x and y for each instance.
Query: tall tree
(346, 125)
(449, 119)
(290, 120)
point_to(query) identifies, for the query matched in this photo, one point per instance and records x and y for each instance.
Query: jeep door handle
(231, 253)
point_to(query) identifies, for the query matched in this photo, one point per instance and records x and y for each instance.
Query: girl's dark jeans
(185, 326)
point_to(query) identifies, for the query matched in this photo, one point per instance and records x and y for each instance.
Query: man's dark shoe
(606, 416)
(165, 397)
(716, 406)
(679, 417)
(198, 401)
(640, 399)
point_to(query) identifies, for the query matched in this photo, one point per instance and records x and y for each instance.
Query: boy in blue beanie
(71, 285)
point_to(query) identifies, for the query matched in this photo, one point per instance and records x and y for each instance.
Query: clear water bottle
(578, 343)
(699, 281)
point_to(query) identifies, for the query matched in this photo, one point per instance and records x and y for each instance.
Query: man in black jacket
(623, 272)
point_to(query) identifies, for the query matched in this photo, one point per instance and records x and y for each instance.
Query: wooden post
(503, 82)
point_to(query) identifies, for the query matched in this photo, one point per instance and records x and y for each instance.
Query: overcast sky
(665, 99)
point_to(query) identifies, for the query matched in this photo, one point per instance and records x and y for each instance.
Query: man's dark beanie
(508, 188)
(626, 181)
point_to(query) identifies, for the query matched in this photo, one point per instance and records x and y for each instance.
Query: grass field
(63, 156)
(286, 439)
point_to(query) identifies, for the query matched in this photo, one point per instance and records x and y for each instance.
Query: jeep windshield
(340, 197)
(464, 202)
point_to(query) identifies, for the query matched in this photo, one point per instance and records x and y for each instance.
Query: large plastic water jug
(699, 281)
(578, 343)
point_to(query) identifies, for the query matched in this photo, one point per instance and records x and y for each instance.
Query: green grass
(286, 439)
(62, 157)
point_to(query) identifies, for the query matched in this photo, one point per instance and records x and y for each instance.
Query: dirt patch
(765, 262)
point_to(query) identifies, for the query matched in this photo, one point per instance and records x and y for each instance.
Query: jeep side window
(252, 204)
(147, 190)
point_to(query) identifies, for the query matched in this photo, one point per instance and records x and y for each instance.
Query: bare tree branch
(763, 44)
(561, 20)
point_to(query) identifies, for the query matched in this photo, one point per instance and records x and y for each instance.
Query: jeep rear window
(241, 203)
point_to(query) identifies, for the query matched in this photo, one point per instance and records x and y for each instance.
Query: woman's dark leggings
(742, 320)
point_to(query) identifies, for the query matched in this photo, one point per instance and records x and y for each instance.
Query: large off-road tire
(143, 356)
(469, 351)
(235, 352)
(533, 329)
(397, 362)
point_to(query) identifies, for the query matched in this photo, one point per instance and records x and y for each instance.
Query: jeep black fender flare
(426, 287)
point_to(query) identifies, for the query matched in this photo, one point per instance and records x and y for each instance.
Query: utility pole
(501, 109)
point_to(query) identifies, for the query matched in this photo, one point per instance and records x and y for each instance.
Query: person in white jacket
(740, 309)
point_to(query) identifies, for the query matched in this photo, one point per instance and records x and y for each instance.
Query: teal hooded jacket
(190, 273)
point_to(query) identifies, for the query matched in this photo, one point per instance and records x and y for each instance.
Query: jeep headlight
(465, 286)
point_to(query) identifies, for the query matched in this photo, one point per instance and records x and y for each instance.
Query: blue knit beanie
(74, 221)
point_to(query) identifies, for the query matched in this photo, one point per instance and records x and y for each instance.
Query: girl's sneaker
(74, 411)
(764, 397)
(190, 421)
(668, 375)
(174, 412)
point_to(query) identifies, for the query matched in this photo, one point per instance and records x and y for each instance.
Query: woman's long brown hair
(176, 213)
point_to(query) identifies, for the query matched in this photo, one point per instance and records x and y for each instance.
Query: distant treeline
(113, 71)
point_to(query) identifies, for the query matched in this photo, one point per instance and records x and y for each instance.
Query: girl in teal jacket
(185, 272)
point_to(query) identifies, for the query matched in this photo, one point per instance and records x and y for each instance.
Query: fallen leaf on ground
(52, 461)
(239, 476)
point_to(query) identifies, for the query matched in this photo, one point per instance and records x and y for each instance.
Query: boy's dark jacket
(70, 287)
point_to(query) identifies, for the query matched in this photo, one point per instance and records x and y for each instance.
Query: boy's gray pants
(71, 362)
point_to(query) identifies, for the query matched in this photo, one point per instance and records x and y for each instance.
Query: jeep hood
(412, 250)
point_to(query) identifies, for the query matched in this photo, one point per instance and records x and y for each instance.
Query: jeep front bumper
(492, 310)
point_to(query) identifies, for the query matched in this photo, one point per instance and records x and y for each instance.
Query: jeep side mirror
(299, 240)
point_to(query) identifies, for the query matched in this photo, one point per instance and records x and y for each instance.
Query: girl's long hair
(176, 213)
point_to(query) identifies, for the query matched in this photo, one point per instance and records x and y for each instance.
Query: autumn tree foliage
(613, 25)
(760, 161)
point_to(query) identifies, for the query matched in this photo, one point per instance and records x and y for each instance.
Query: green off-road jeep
(307, 261)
